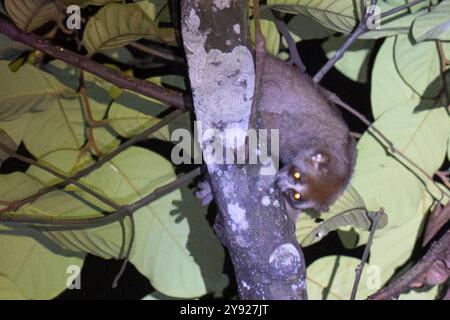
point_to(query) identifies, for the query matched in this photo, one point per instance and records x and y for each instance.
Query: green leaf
(338, 15)
(130, 114)
(388, 88)
(393, 247)
(175, 247)
(355, 62)
(306, 28)
(7, 141)
(434, 25)
(332, 278)
(17, 186)
(116, 25)
(29, 15)
(271, 35)
(28, 89)
(358, 218)
(419, 66)
(29, 269)
(385, 182)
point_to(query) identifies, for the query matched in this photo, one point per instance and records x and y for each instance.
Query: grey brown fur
(314, 138)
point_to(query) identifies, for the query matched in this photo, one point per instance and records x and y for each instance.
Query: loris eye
(296, 196)
(296, 175)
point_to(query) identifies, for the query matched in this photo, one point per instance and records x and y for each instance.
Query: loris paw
(204, 192)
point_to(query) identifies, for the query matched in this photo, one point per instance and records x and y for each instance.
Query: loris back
(316, 149)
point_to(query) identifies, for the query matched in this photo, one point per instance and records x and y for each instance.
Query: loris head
(315, 178)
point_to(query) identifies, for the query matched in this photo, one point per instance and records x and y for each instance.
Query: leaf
(434, 25)
(332, 278)
(393, 246)
(388, 88)
(28, 89)
(7, 141)
(116, 24)
(29, 269)
(358, 218)
(29, 15)
(17, 186)
(419, 66)
(270, 33)
(306, 28)
(130, 114)
(62, 125)
(383, 181)
(338, 15)
(355, 62)
(175, 247)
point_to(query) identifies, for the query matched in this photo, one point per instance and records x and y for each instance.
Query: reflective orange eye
(296, 196)
(297, 175)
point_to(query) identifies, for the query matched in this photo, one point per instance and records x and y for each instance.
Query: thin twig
(16, 205)
(400, 8)
(146, 88)
(365, 256)
(360, 30)
(115, 216)
(55, 173)
(157, 52)
(127, 258)
(439, 250)
(388, 143)
(293, 52)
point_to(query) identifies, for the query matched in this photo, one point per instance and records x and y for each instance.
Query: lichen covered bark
(252, 220)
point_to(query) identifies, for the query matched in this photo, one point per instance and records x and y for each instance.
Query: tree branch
(439, 251)
(365, 256)
(146, 88)
(360, 29)
(16, 205)
(123, 211)
(55, 173)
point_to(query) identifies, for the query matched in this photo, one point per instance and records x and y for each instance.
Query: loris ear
(319, 160)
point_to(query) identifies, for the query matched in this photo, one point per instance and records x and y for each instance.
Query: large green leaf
(419, 66)
(332, 278)
(7, 141)
(355, 62)
(175, 247)
(338, 15)
(358, 218)
(116, 25)
(306, 28)
(29, 269)
(433, 25)
(385, 182)
(29, 15)
(388, 88)
(28, 89)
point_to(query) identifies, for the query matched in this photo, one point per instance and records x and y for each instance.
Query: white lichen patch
(237, 215)
(265, 201)
(237, 28)
(222, 83)
(222, 4)
(285, 256)
(245, 285)
(276, 203)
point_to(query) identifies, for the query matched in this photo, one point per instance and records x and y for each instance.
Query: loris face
(311, 180)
